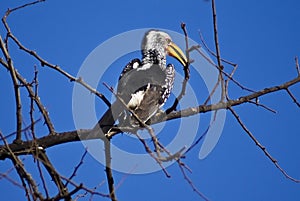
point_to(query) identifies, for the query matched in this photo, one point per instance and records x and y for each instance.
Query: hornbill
(144, 85)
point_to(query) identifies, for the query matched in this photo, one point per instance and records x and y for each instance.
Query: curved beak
(174, 51)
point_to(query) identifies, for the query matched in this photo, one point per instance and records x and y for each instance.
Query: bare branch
(212, 91)
(23, 174)
(223, 105)
(61, 71)
(292, 96)
(186, 67)
(274, 161)
(3, 175)
(43, 61)
(297, 65)
(186, 70)
(148, 150)
(220, 78)
(212, 53)
(63, 191)
(77, 135)
(227, 81)
(36, 99)
(190, 182)
(12, 72)
(76, 168)
(92, 192)
(31, 112)
(23, 6)
(198, 140)
(23, 130)
(229, 76)
(42, 179)
(262, 105)
(108, 171)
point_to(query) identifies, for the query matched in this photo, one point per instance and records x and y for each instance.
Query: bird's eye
(168, 40)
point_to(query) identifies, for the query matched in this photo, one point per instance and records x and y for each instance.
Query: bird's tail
(108, 120)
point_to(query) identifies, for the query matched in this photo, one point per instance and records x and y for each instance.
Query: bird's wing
(150, 102)
(133, 64)
(155, 95)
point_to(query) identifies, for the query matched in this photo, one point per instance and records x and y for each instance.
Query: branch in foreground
(77, 135)
(12, 72)
(186, 71)
(109, 175)
(23, 174)
(85, 134)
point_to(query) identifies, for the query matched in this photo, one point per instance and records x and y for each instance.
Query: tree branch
(220, 79)
(274, 161)
(23, 174)
(186, 71)
(36, 99)
(85, 134)
(12, 72)
(108, 170)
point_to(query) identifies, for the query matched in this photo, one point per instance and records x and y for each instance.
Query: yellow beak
(174, 51)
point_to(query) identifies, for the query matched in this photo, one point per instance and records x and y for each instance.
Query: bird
(145, 85)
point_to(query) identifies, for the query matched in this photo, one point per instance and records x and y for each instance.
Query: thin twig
(224, 73)
(122, 180)
(148, 150)
(76, 167)
(212, 53)
(262, 105)
(89, 192)
(37, 100)
(25, 5)
(187, 53)
(92, 192)
(42, 156)
(12, 72)
(218, 49)
(292, 97)
(212, 91)
(3, 175)
(186, 70)
(78, 80)
(297, 65)
(175, 156)
(23, 130)
(43, 179)
(227, 81)
(23, 174)
(43, 61)
(274, 161)
(198, 140)
(190, 182)
(31, 112)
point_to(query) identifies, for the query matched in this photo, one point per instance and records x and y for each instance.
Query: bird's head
(161, 42)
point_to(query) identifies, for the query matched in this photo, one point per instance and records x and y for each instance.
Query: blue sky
(262, 37)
